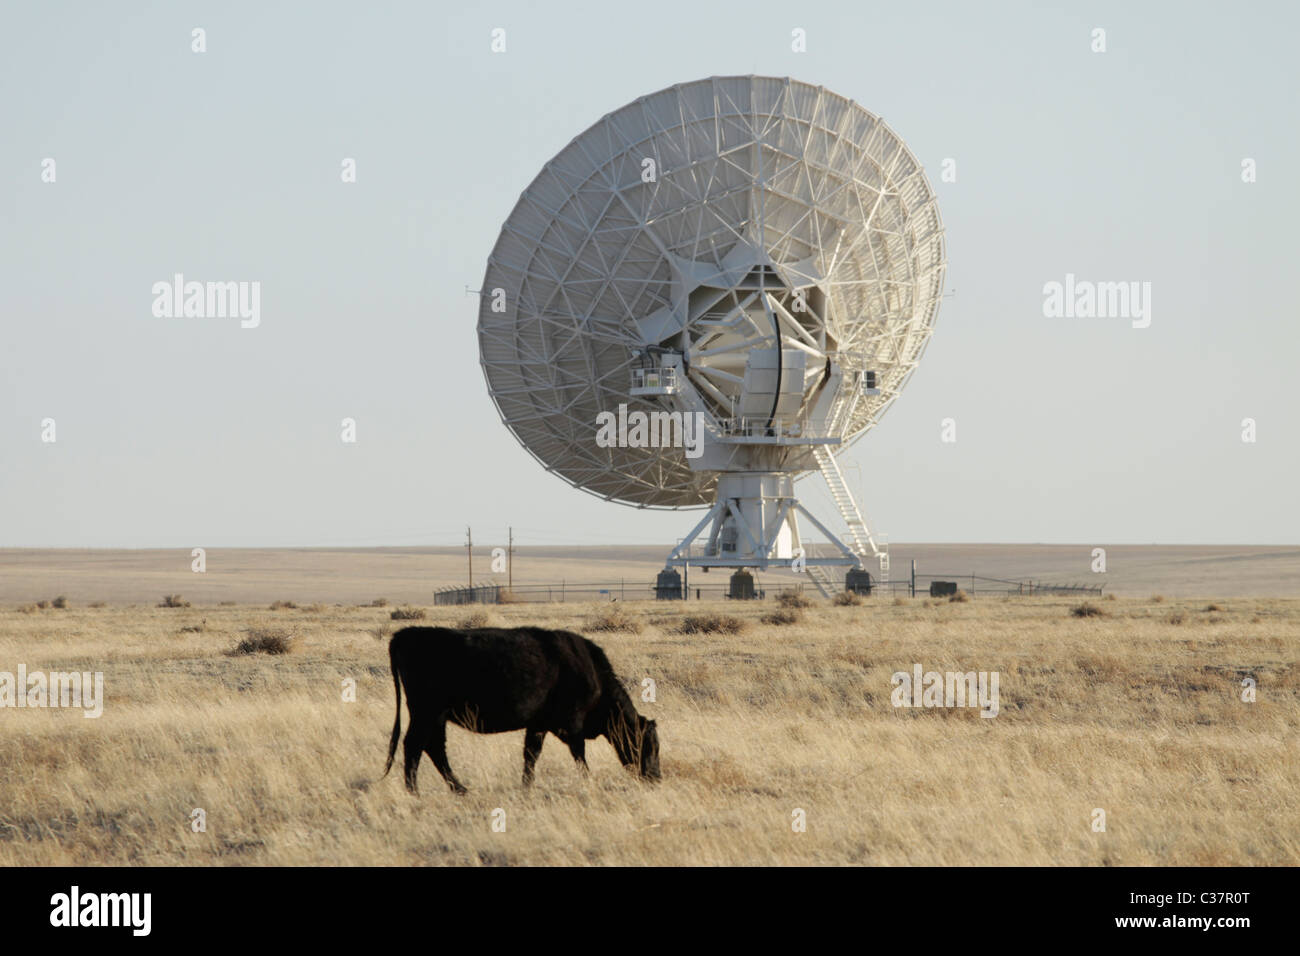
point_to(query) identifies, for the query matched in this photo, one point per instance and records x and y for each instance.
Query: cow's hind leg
(412, 749)
(533, 740)
(436, 747)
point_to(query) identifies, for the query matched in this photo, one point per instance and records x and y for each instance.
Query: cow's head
(648, 739)
(637, 743)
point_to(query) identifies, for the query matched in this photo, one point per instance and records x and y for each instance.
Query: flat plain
(411, 575)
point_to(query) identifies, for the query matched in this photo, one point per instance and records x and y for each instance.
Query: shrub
(1087, 610)
(407, 614)
(783, 616)
(27, 608)
(59, 602)
(792, 599)
(476, 620)
(1208, 607)
(847, 599)
(42, 604)
(712, 624)
(97, 604)
(264, 641)
(1111, 597)
(616, 619)
(174, 600)
(283, 606)
(1177, 617)
(1157, 599)
(960, 597)
(900, 602)
(378, 602)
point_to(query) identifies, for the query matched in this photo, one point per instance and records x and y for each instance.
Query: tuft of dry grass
(961, 597)
(174, 600)
(378, 602)
(1087, 610)
(1213, 607)
(407, 614)
(1176, 618)
(791, 598)
(1157, 599)
(711, 624)
(283, 606)
(783, 616)
(97, 604)
(847, 599)
(475, 620)
(60, 602)
(615, 618)
(265, 641)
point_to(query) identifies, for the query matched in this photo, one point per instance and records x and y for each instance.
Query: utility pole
(510, 561)
(469, 548)
(686, 568)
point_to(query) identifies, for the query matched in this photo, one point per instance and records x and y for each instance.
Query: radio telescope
(753, 255)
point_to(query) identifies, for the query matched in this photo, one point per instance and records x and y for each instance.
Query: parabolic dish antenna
(754, 255)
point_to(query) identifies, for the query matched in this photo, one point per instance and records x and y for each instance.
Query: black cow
(490, 680)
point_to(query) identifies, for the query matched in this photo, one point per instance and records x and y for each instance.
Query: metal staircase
(824, 582)
(861, 541)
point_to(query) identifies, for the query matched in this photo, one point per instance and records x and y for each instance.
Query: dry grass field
(1136, 710)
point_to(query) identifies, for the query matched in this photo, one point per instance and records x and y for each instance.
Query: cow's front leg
(533, 740)
(578, 747)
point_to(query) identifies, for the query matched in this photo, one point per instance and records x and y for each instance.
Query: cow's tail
(397, 717)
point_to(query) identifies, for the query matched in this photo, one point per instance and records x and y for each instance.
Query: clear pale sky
(225, 165)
